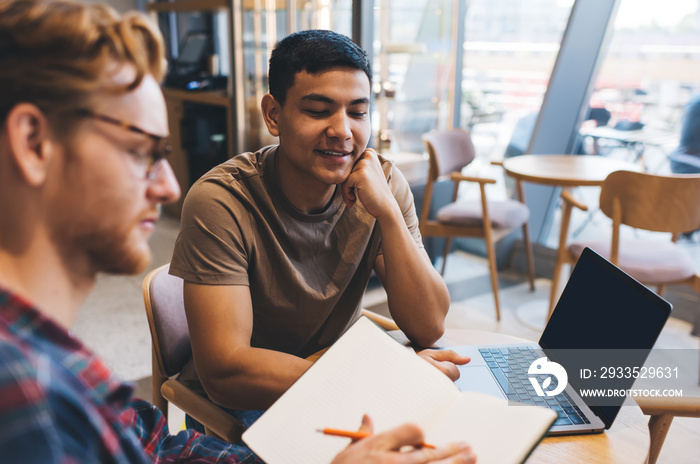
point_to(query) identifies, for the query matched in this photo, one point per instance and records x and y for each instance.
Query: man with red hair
(83, 141)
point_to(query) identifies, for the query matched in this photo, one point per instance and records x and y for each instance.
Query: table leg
(562, 253)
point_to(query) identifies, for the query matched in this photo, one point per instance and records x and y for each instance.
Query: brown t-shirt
(307, 273)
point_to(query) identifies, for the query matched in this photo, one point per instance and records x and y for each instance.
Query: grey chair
(165, 309)
(450, 151)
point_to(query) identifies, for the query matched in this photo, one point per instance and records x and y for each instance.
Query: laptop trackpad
(478, 379)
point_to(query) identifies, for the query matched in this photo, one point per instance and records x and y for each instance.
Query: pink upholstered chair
(650, 202)
(450, 151)
(165, 309)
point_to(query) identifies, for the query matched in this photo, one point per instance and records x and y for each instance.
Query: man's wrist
(391, 216)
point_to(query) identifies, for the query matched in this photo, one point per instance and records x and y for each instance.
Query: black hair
(312, 51)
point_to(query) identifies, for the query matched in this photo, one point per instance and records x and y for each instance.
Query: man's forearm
(254, 379)
(417, 295)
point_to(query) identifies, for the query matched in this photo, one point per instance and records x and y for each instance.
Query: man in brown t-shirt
(276, 247)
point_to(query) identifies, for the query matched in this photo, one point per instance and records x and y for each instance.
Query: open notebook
(367, 371)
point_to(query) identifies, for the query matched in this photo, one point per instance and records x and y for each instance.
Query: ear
(271, 111)
(30, 146)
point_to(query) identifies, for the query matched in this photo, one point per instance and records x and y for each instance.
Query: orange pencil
(356, 435)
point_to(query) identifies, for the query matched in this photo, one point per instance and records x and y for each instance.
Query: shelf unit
(187, 5)
(231, 98)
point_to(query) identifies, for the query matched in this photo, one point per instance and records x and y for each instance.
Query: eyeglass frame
(162, 146)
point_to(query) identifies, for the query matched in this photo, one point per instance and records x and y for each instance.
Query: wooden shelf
(177, 99)
(187, 5)
(205, 5)
(279, 5)
(216, 97)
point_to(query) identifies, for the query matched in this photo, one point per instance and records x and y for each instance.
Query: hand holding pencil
(386, 447)
(359, 435)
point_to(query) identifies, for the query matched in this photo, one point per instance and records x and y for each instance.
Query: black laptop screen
(603, 317)
(604, 308)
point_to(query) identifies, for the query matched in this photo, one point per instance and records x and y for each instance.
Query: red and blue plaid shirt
(59, 403)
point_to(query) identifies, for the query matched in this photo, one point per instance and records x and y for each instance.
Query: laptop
(604, 319)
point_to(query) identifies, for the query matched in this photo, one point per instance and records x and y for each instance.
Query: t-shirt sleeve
(404, 197)
(212, 247)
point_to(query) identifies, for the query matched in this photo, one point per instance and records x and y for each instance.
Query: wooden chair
(450, 151)
(170, 336)
(662, 411)
(643, 201)
(165, 309)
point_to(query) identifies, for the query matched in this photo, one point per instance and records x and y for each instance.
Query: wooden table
(565, 171)
(627, 441)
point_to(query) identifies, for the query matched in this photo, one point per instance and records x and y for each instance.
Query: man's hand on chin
(367, 183)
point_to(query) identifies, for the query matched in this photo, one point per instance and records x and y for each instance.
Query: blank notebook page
(333, 397)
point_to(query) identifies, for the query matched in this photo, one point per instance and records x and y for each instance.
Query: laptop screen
(603, 312)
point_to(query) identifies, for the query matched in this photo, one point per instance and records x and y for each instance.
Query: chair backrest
(449, 151)
(165, 308)
(653, 202)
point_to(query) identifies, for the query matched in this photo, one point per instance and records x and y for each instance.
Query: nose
(163, 188)
(339, 126)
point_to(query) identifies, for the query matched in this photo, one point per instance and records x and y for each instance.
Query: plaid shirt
(59, 403)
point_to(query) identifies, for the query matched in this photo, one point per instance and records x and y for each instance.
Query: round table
(627, 441)
(564, 170)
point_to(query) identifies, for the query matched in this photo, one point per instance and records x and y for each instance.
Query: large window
(509, 49)
(509, 53)
(413, 51)
(650, 72)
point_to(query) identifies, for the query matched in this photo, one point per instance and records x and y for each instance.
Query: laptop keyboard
(509, 366)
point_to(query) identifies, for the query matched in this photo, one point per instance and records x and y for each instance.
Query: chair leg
(528, 256)
(493, 270)
(555, 286)
(562, 251)
(445, 252)
(156, 382)
(658, 429)
(660, 290)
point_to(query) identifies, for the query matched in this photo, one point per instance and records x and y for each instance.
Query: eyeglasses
(161, 144)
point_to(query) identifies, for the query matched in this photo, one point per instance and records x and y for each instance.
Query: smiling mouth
(334, 153)
(150, 220)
